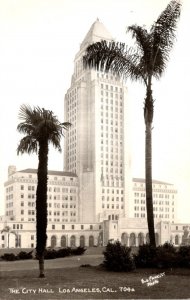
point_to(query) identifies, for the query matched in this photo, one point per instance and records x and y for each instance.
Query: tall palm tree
(143, 63)
(41, 127)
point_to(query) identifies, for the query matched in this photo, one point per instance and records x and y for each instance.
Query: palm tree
(142, 64)
(41, 127)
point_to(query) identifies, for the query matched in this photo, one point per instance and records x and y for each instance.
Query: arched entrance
(124, 239)
(132, 239)
(53, 241)
(140, 239)
(176, 240)
(73, 241)
(82, 241)
(63, 241)
(91, 241)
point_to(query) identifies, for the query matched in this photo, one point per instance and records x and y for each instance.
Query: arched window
(63, 241)
(91, 241)
(53, 241)
(73, 241)
(140, 239)
(82, 241)
(176, 240)
(132, 239)
(124, 238)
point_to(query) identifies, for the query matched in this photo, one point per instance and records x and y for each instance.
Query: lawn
(83, 278)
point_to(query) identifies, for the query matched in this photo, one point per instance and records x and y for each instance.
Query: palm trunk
(41, 266)
(148, 116)
(41, 205)
(148, 176)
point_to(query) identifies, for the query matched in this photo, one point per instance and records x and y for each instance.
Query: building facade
(18, 226)
(129, 232)
(164, 201)
(20, 196)
(97, 143)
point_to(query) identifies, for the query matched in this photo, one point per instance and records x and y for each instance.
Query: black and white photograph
(95, 149)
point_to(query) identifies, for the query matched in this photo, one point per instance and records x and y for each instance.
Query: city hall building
(94, 199)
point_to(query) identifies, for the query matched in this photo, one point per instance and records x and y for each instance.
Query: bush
(50, 254)
(184, 256)
(63, 252)
(145, 258)
(118, 258)
(25, 255)
(166, 256)
(78, 251)
(9, 257)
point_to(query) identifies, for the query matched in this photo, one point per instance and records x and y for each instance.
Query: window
(63, 226)
(73, 226)
(91, 226)
(53, 227)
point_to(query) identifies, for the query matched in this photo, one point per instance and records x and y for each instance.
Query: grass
(67, 279)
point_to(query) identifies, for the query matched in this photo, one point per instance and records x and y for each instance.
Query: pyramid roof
(96, 33)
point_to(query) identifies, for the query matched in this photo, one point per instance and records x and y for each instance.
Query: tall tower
(97, 143)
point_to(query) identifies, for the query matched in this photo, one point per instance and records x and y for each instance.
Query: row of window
(156, 216)
(111, 87)
(112, 198)
(166, 196)
(50, 197)
(112, 206)
(161, 209)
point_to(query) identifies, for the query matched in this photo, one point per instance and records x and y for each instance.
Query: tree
(143, 63)
(41, 127)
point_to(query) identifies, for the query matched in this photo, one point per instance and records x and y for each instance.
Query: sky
(38, 43)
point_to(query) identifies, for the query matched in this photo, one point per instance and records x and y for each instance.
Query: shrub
(50, 254)
(9, 257)
(184, 256)
(63, 252)
(145, 258)
(78, 251)
(25, 255)
(85, 266)
(118, 258)
(166, 256)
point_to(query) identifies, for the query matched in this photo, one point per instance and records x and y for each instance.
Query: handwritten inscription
(152, 280)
